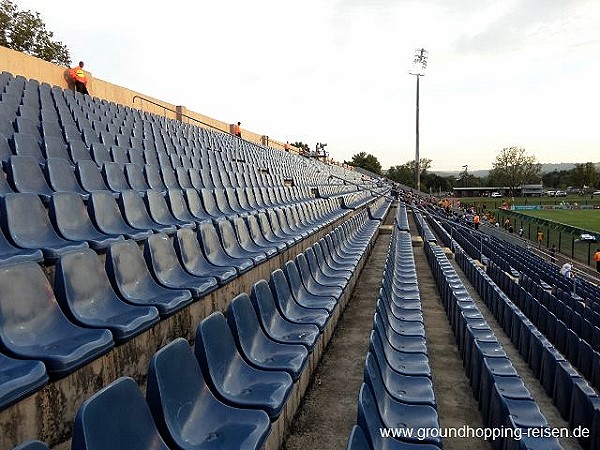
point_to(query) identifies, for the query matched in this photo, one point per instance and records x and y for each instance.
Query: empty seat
(31, 445)
(26, 176)
(246, 387)
(104, 212)
(179, 208)
(90, 177)
(116, 417)
(84, 293)
(257, 348)
(61, 177)
(160, 212)
(32, 326)
(232, 246)
(10, 254)
(136, 215)
(135, 178)
(302, 295)
(187, 413)
(114, 177)
(247, 243)
(19, 378)
(213, 249)
(193, 259)
(25, 144)
(26, 222)
(291, 310)
(164, 264)
(70, 217)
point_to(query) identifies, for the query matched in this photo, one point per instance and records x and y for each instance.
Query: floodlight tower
(419, 66)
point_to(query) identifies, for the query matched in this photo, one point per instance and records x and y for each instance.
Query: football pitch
(588, 219)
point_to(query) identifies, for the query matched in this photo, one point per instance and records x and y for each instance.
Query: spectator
(597, 259)
(286, 147)
(476, 221)
(566, 270)
(237, 130)
(521, 232)
(80, 78)
(540, 238)
(506, 223)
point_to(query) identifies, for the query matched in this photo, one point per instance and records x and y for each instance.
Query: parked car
(496, 194)
(596, 193)
(561, 194)
(551, 193)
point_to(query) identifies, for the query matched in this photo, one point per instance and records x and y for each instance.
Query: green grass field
(493, 203)
(588, 219)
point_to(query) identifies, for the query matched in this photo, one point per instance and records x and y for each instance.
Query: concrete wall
(19, 63)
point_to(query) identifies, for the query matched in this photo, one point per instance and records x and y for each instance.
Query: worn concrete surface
(328, 411)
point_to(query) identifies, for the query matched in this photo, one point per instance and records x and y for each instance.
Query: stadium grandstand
(165, 284)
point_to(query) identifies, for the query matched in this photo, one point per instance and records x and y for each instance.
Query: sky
(500, 73)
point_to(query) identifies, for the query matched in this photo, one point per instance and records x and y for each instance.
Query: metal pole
(417, 158)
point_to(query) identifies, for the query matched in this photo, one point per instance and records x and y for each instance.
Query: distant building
(527, 190)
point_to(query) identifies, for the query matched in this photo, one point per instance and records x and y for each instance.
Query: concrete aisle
(328, 412)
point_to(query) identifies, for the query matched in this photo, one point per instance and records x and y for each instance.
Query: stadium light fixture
(418, 70)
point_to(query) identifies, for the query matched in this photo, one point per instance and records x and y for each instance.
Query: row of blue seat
(132, 289)
(397, 391)
(503, 398)
(574, 398)
(69, 225)
(245, 363)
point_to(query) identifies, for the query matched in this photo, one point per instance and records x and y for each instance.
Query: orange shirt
(236, 130)
(597, 256)
(476, 219)
(78, 74)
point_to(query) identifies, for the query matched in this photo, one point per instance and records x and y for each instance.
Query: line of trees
(512, 168)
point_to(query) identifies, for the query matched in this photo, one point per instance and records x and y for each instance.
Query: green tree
(584, 175)
(405, 174)
(366, 161)
(302, 146)
(513, 168)
(25, 32)
(556, 179)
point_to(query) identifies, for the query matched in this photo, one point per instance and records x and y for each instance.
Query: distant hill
(546, 167)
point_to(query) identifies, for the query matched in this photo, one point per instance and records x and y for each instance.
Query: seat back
(62, 176)
(160, 254)
(26, 221)
(27, 176)
(135, 177)
(114, 176)
(116, 417)
(89, 176)
(158, 208)
(69, 214)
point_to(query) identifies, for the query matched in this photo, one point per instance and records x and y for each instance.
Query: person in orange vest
(597, 259)
(237, 130)
(286, 147)
(476, 221)
(79, 78)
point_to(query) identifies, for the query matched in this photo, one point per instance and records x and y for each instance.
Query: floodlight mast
(420, 64)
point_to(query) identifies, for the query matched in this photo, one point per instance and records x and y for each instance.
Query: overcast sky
(500, 73)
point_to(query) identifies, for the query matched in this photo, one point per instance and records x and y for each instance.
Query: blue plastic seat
(116, 418)
(105, 214)
(187, 413)
(136, 215)
(162, 259)
(90, 177)
(193, 260)
(213, 249)
(153, 178)
(70, 217)
(31, 445)
(232, 246)
(231, 378)
(401, 342)
(256, 347)
(301, 294)
(311, 284)
(27, 144)
(26, 176)
(195, 206)
(126, 266)
(328, 267)
(135, 177)
(114, 176)
(61, 177)
(19, 378)
(178, 206)
(260, 238)
(415, 390)
(358, 440)
(26, 221)
(395, 414)
(288, 307)
(322, 273)
(275, 325)
(402, 363)
(247, 243)
(369, 420)
(209, 204)
(32, 325)
(84, 293)
(10, 254)
(160, 212)
(272, 233)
